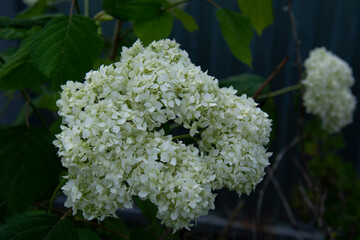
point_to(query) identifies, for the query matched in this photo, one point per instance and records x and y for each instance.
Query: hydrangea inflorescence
(327, 89)
(114, 144)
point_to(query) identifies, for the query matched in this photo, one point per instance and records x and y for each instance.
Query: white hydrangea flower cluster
(327, 89)
(114, 144)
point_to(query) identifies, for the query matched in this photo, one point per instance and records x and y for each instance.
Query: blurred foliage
(335, 189)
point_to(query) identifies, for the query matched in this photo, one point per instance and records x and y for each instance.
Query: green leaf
(154, 29)
(66, 48)
(28, 165)
(128, 10)
(86, 234)
(141, 234)
(187, 20)
(38, 8)
(48, 102)
(236, 29)
(13, 33)
(38, 226)
(119, 225)
(260, 13)
(18, 71)
(149, 210)
(55, 126)
(244, 83)
(24, 23)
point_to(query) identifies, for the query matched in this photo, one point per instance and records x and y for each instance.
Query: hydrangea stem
(36, 111)
(116, 40)
(86, 8)
(74, 2)
(61, 183)
(99, 15)
(280, 91)
(185, 136)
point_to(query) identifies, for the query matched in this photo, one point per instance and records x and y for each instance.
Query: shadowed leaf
(28, 165)
(236, 29)
(66, 48)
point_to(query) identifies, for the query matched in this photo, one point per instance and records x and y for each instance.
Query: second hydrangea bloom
(327, 89)
(114, 144)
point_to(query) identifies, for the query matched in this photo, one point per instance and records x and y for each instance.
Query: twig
(66, 213)
(295, 37)
(214, 4)
(300, 70)
(271, 77)
(269, 177)
(36, 111)
(285, 203)
(304, 174)
(231, 220)
(71, 8)
(318, 212)
(116, 41)
(305, 197)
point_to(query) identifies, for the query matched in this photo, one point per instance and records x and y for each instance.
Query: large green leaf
(187, 20)
(86, 234)
(38, 226)
(28, 165)
(66, 48)
(244, 83)
(153, 29)
(128, 10)
(118, 224)
(18, 71)
(236, 29)
(260, 13)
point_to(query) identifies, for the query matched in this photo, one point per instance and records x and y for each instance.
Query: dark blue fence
(334, 24)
